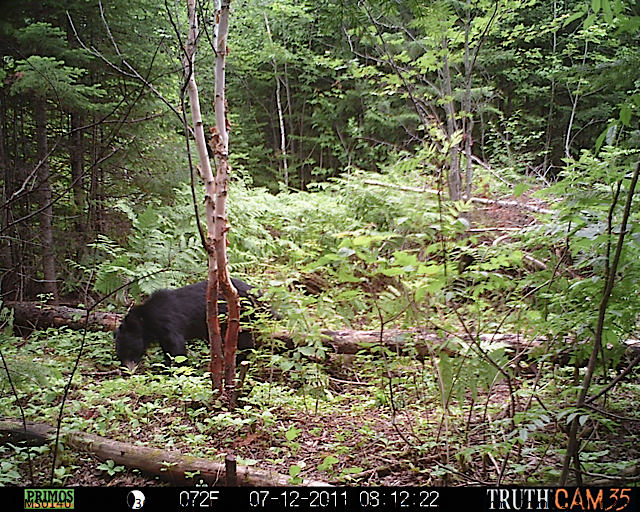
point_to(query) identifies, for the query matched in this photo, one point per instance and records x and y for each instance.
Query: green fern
(23, 371)
(24, 374)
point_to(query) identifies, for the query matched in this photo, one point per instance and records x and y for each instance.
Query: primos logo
(49, 498)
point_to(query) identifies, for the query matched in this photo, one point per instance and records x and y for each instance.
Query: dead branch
(481, 200)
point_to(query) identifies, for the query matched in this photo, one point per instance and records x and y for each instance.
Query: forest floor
(372, 445)
(388, 448)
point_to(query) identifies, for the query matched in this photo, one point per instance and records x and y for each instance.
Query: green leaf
(600, 140)
(595, 5)
(611, 134)
(394, 271)
(348, 278)
(327, 463)
(617, 7)
(625, 115)
(307, 351)
(436, 285)
(292, 433)
(403, 259)
(345, 252)
(520, 188)
(362, 240)
(430, 270)
(574, 17)
(589, 21)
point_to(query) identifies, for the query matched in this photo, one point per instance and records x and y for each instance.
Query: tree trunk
(546, 163)
(46, 214)
(76, 161)
(215, 335)
(612, 275)
(283, 139)
(575, 98)
(480, 200)
(223, 356)
(467, 121)
(223, 169)
(7, 272)
(454, 178)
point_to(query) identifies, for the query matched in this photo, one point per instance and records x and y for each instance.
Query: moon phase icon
(135, 500)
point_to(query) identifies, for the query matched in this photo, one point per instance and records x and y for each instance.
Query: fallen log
(350, 341)
(35, 315)
(170, 466)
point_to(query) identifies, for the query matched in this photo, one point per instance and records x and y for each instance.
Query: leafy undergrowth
(344, 423)
(468, 412)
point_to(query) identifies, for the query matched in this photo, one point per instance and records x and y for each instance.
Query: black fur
(172, 317)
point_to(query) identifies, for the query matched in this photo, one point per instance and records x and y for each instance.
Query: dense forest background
(316, 90)
(360, 131)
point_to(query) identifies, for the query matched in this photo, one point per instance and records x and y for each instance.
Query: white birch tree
(223, 354)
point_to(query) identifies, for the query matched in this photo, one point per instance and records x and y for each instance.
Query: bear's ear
(134, 318)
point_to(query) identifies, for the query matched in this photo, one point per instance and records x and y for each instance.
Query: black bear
(172, 317)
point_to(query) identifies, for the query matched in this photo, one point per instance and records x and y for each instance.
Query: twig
(630, 367)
